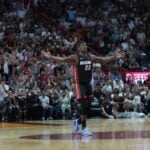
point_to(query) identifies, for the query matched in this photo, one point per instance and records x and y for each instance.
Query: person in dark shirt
(147, 81)
(83, 61)
(119, 102)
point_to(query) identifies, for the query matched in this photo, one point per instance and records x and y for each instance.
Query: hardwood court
(125, 134)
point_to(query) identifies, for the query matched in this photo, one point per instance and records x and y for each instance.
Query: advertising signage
(135, 77)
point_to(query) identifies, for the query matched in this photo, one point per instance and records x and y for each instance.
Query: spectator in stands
(23, 33)
(107, 109)
(65, 104)
(4, 88)
(147, 81)
(107, 88)
(118, 84)
(120, 104)
(47, 109)
(137, 102)
(133, 65)
(33, 106)
(22, 11)
(97, 76)
(147, 101)
(56, 103)
(21, 98)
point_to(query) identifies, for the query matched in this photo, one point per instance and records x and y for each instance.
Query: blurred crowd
(33, 88)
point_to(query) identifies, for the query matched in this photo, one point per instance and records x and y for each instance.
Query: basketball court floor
(119, 134)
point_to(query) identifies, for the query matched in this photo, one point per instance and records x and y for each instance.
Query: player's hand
(46, 54)
(120, 54)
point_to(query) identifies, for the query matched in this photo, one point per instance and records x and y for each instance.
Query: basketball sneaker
(86, 132)
(76, 125)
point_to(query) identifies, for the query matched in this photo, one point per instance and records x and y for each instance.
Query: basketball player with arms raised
(83, 61)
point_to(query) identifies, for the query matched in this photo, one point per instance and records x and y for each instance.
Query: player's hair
(79, 43)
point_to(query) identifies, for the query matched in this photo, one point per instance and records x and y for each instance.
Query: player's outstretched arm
(70, 59)
(108, 59)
